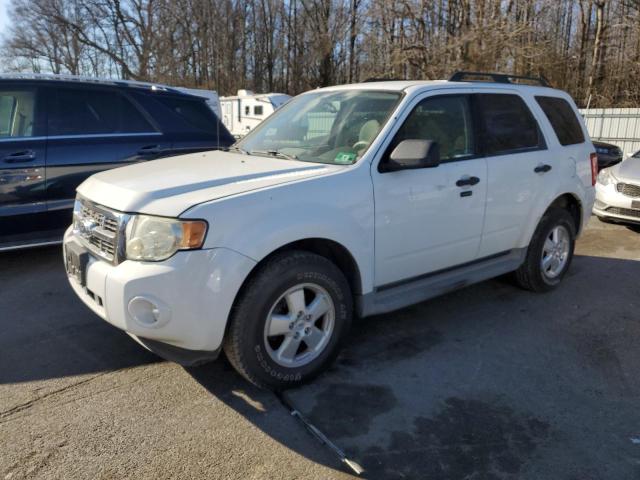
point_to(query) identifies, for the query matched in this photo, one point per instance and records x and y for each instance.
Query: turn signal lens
(193, 233)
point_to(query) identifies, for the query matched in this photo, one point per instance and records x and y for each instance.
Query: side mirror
(411, 154)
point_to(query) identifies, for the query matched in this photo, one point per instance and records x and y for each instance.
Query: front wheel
(550, 252)
(289, 321)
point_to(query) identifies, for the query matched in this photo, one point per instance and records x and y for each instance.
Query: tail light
(594, 168)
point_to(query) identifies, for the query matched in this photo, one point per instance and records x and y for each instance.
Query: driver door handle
(467, 181)
(19, 157)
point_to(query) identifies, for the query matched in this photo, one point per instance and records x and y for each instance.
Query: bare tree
(589, 47)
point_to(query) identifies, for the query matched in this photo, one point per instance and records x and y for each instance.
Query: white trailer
(245, 111)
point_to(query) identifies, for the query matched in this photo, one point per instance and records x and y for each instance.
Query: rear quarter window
(563, 120)
(509, 125)
(195, 113)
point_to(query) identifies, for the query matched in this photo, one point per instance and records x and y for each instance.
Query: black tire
(530, 275)
(245, 343)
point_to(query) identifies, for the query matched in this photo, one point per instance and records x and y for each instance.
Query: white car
(618, 192)
(350, 200)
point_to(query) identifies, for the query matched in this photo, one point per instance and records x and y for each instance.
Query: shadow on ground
(46, 332)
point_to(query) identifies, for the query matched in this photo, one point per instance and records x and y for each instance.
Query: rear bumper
(177, 308)
(613, 205)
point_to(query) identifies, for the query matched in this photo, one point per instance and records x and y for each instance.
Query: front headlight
(157, 238)
(605, 177)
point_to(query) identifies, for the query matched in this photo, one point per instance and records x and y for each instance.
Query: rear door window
(93, 112)
(563, 120)
(509, 125)
(17, 113)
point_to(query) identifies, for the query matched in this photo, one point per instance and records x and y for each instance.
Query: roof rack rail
(381, 79)
(496, 77)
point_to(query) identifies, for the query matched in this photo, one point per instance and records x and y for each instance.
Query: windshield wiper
(237, 149)
(273, 153)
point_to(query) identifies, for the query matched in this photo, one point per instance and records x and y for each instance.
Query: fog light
(149, 312)
(600, 205)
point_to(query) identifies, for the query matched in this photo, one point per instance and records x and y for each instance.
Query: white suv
(350, 200)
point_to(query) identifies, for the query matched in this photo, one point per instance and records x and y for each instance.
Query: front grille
(99, 228)
(627, 212)
(102, 216)
(628, 189)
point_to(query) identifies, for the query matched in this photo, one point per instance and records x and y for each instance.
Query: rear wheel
(550, 252)
(289, 321)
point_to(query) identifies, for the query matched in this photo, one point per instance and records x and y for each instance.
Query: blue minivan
(55, 131)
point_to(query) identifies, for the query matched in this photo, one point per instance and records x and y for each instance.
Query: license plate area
(76, 261)
(635, 204)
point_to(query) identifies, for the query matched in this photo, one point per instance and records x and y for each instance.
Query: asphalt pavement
(489, 382)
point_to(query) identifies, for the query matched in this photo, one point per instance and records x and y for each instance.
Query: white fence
(619, 126)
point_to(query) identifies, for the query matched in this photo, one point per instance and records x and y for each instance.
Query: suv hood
(172, 185)
(629, 169)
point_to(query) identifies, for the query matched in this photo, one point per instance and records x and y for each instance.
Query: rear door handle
(465, 181)
(544, 168)
(19, 157)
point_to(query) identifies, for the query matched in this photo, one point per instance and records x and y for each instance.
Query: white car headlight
(605, 177)
(157, 238)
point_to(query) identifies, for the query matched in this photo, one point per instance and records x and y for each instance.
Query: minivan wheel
(288, 324)
(550, 252)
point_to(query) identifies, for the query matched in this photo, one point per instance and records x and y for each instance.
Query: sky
(4, 5)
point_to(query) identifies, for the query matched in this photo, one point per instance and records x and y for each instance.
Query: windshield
(324, 127)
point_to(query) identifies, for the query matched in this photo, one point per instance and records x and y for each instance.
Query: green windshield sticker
(345, 157)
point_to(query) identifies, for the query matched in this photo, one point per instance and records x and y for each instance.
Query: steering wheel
(360, 144)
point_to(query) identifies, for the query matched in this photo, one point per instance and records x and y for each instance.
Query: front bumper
(613, 205)
(182, 303)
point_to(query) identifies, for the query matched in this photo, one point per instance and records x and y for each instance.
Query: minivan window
(509, 125)
(562, 119)
(17, 110)
(93, 112)
(194, 113)
(444, 119)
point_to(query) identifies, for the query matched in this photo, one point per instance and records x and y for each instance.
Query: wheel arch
(568, 201)
(330, 249)
(333, 251)
(572, 204)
